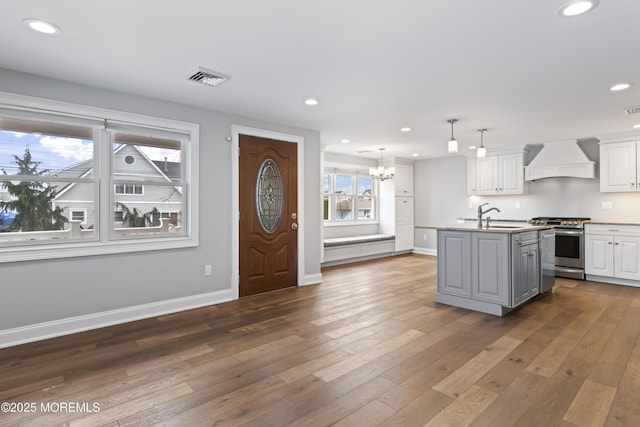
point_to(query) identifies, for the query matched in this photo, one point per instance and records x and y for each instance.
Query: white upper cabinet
(403, 179)
(471, 177)
(619, 164)
(496, 175)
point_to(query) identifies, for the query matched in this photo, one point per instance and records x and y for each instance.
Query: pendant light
(482, 151)
(381, 172)
(453, 144)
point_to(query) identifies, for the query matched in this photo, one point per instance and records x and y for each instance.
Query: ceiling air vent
(209, 77)
(632, 110)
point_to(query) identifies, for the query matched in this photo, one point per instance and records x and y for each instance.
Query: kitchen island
(491, 270)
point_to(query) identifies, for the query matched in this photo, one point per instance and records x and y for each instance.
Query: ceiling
(513, 67)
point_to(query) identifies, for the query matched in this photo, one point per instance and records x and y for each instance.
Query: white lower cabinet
(404, 224)
(613, 252)
(598, 251)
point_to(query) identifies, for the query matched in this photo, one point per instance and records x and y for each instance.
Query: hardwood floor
(369, 346)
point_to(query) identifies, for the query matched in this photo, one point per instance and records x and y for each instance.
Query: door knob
(294, 226)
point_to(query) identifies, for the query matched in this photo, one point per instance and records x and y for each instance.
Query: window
(78, 180)
(348, 197)
(78, 216)
(129, 189)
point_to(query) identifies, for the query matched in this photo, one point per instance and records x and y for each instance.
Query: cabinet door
(520, 286)
(526, 272)
(598, 250)
(403, 179)
(471, 177)
(533, 271)
(404, 223)
(487, 175)
(618, 167)
(454, 263)
(490, 267)
(627, 257)
(511, 170)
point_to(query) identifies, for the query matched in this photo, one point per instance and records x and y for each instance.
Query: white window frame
(332, 195)
(104, 243)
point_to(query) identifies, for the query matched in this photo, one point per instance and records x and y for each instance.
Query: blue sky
(56, 152)
(344, 183)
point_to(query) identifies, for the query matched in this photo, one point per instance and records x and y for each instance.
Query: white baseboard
(425, 251)
(312, 279)
(56, 328)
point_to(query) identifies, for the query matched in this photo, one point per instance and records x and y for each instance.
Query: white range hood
(560, 159)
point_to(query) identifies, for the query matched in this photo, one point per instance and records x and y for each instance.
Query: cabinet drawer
(526, 238)
(612, 229)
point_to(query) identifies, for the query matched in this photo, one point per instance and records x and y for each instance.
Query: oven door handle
(569, 232)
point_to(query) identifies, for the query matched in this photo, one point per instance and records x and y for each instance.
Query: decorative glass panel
(269, 195)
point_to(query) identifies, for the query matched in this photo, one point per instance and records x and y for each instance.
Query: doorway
(267, 201)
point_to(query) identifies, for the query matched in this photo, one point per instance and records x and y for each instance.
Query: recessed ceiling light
(472, 147)
(416, 155)
(636, 126)
(577, 7)
(620, 86)
(311, 101)
(41, 26)
(345, 141)
(406, 129)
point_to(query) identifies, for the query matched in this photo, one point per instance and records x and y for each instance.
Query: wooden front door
(268, 215)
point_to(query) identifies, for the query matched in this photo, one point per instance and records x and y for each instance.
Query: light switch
(607, 205)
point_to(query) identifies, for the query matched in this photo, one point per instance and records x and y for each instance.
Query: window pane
(147, 163)
(365, 185)
(344, 184)
(325, 207)
(23, 153)
(39, 211)
(327, 183)
(344, 207)
(144, 216)
(365, 207)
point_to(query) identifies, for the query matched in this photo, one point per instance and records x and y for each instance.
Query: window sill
(79, 249)
(349, 224)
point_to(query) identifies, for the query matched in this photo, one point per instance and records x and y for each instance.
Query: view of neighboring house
(130, 165)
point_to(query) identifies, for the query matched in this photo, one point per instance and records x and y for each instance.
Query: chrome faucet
(481, 212)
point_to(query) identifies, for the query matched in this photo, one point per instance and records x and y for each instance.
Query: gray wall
(441, 197)
(42, 291)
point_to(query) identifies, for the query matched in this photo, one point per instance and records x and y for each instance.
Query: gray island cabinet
(489, 270)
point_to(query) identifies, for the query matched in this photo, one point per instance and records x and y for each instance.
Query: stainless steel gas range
(569, 245)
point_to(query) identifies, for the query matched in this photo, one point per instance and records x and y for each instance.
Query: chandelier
(381, 172)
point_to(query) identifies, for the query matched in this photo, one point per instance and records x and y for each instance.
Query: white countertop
(493, 228)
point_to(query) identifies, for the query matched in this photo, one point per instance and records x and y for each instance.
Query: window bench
(340, 250)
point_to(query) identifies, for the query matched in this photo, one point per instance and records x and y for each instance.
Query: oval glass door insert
(269, 195)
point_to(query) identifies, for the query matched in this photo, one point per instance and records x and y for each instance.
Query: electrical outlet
(517, 205)
(607, 205)
(207, 270)
(424, 237)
